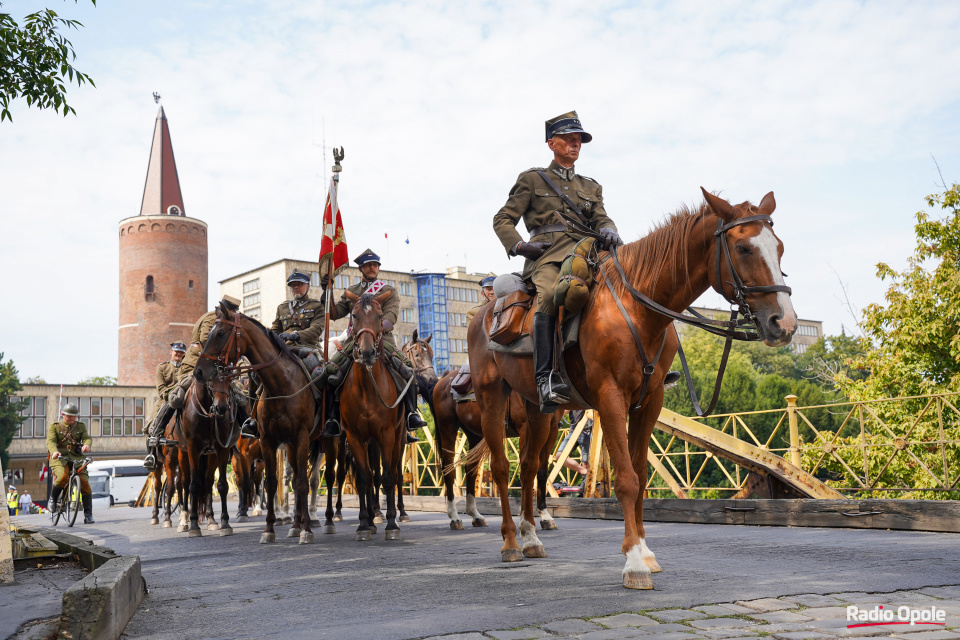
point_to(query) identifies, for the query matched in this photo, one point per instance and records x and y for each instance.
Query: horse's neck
(262, 351)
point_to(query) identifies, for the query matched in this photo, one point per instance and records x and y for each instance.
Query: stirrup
(331, 429)
(550, 401)
(248, 429)
(150, 462)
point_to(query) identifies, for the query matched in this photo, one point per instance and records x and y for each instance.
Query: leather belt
(547, 228)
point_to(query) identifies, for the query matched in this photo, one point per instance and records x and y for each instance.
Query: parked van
(127, 478)
(100, 490)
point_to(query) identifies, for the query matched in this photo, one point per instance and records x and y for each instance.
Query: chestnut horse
(210, 431)
(371, 412)
(452, 416)
(730, 248)
(286, 411)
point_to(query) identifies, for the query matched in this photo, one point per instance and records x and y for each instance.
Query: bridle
(415, 352)
(377, 343)
(225, 370)
(744, 329)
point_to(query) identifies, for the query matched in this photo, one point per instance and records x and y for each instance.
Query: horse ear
(224, 311)
(381, 298)
(720, 206)
(414, 339)
(768, 204)
(351, 296)
(429, 338)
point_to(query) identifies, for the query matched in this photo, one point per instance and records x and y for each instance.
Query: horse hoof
(294, 532)
(456, 525)
(535, 551)
(154, 520)
(287, 519)
(306, 537)
(255, 512)
(338, 518)
(391, 534)
(373, 530)
(314, 522)
(242, 518)
(167, 524)
(652, 564)
(182, 528)
(329, 528)
(377, 519)
(511, 555)
(405, 518)
(479, 522)
(194, 533)
(213, 526)
(637, 580)
(363, 536)
(267, 537)
(226, 531)
(548, 525)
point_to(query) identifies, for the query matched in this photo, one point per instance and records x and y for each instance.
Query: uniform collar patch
(563, 172)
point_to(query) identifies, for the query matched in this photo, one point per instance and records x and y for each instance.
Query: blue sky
(835, 106)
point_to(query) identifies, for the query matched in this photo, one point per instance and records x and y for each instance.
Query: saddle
(523, 344)
(312, 365)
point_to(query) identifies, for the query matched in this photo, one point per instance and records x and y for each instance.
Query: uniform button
(566, 188)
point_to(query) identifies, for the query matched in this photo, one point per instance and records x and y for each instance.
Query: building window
(356, 279)
(33, 421)
(109, 417)
(253, 312)
(190, 284)
(149, 292)
(251, 300)
(251, 285)
(314, 279)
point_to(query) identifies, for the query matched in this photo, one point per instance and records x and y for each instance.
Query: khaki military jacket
(474, 311)
(303, 316)
(391, 306)
(198, 338)
(68, 440)
(533, 200)
(166, 378)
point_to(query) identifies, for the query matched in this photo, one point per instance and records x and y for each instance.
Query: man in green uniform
(67, 440)
(166, 380)
(177, 395)
(369, 264)
(486, 295)
(299, 322)
(535, 197)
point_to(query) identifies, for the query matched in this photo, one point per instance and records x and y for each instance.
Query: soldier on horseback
(166, 381)
(486, 295)
(369, 264)
(299, 322)
(536, 196)
(178, 393)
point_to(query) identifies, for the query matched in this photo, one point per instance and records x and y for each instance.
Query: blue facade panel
(432, 308)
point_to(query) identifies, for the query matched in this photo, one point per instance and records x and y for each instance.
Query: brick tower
(163, 269)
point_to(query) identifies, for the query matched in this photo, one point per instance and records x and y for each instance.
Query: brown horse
(286, 411)
(730, 248)
(168, 465)
(210, 431)
(451, 416)
(369, 420)
(248, 465)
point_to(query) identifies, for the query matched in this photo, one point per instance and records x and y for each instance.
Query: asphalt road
(437, 581)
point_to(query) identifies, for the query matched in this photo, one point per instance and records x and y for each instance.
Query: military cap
(488, 281)
(365, 257)
(230, 303)
(178, 346)
(70, 409)
(298, 277)
(567, 123)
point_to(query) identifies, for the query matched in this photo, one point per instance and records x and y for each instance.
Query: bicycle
(69, 503)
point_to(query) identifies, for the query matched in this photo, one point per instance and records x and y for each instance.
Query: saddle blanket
(523, 346)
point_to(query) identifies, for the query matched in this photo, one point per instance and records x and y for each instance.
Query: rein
(222, 359)
(378, 345)
(745, 329)
(212, 415)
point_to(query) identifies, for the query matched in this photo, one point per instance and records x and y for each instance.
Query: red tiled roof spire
(161, 193)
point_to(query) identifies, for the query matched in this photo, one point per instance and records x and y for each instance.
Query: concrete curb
(99, 606)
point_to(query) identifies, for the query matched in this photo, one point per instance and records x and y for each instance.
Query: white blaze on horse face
(766, 243)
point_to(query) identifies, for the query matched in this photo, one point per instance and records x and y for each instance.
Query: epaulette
(588, 178)
(535, 169)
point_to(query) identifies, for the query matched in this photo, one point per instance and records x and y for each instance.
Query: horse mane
(643, 260)
(274, 338)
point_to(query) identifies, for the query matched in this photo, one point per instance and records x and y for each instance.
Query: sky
(837, 107)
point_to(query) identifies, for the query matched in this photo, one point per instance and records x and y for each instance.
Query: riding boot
(54, 497)
(551, 388)
(414, 420)
(671, 379)
(249, 429)
(331, 428)
(87, 500)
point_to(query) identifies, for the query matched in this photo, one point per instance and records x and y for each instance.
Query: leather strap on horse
(377, 388)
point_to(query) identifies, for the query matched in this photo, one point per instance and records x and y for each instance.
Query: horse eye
(743, 249)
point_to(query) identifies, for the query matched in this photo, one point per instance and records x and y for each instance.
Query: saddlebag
(509, 314)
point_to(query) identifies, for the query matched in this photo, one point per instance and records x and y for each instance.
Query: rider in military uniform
(166, 381)
(534, 200)
(299, 322)
(486, 295)
(178, 394)
(67, 440)
(369, 264)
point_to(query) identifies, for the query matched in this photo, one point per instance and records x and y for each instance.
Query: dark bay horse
(248, 465)
(730, 248)
(210, 431)
(168, 466)
(371, 411)
(286, 411)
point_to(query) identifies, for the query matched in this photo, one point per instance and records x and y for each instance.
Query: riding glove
(324, 281)
(532, 250)
(610, 238)
(292, 336)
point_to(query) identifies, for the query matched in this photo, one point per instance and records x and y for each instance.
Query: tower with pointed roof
(163, 268)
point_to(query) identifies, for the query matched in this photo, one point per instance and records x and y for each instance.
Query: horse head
(367, 320)
(420, 354)
(745, 267)
(225, 345)
(219, 388)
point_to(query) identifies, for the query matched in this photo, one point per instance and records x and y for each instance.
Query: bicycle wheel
(58, 508)
(73, 500)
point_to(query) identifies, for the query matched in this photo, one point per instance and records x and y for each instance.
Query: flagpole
(328, 295)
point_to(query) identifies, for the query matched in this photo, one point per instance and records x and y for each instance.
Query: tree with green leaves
(36, 61)
(99, 381)
(35, 380)
(10, 407)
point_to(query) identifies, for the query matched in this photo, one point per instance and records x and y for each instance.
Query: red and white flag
(333, 247)
(44, 470)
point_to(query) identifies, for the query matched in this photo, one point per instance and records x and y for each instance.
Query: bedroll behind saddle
(576, 274)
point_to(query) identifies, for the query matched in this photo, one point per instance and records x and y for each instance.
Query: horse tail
(476, 455)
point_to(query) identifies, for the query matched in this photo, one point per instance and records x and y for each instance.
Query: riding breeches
(61, 475)
(545, 278)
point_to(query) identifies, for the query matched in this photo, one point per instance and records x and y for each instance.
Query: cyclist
(67, 440)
